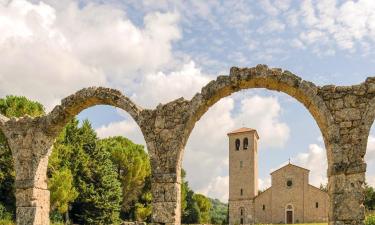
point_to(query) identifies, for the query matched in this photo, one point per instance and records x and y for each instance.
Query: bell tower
(243, 174)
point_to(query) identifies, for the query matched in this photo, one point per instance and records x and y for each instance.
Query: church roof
(289, 164)
(243, 130)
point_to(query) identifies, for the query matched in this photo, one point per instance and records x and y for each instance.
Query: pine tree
(133, 168)
(99, 190)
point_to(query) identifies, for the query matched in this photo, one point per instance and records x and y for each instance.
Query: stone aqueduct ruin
(344, 115)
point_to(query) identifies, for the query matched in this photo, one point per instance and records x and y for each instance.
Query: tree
(143, 210)
(204, 206)
(369, 197)
(190, 212)
(12, 106)
(133, 167)
(62, 191)
(219, 212)
(94, 175)
(324, 187)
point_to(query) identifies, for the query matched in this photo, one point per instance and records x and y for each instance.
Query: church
(290, 199)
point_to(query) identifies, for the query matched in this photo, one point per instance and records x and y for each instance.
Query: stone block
(166, 192)
(33, 216)
(166, 212)
(32, 197)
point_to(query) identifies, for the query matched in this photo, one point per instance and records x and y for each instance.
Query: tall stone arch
(345, 176)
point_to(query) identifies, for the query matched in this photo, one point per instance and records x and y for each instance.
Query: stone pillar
(165, 135)
(346, 180)
(166, 187)
(166, 192)
(32, 194)
(30, 149)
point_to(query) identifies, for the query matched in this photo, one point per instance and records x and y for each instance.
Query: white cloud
(270, 26)
(48, 54)
(128, 128)
(161, 87)
(206, 152)
(262, 113)
(348, 25)
(370, 151)
(370, 160)
(217, 188)
(264, 183)
(316, 161)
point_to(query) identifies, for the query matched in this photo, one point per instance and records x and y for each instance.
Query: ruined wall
(343, 114)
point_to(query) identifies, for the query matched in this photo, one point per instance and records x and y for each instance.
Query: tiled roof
(242, 130)
(289, 164)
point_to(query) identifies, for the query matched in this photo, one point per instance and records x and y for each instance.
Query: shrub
(6, 222)
(4, 214)
(370, 220)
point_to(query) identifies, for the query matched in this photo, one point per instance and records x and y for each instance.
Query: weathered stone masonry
(343, 114)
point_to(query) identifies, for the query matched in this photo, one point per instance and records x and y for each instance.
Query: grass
(302, 224)
(11, 222)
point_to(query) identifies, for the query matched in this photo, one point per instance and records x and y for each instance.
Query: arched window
(238, 143)
(241, 211)
(316, 204)
(264, 207)
(245, 143)
(241, 191)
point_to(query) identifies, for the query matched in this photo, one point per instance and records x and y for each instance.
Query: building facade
(290, 199)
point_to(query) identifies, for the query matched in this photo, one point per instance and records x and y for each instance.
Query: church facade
(290, 199)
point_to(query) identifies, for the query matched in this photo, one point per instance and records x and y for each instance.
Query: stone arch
(273, 79)
(86, 98)
(31, 140)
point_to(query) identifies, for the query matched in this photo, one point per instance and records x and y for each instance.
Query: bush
(4, 214)
(370, 220)
(6, 222)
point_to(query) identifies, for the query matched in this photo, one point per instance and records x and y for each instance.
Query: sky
(155, 51)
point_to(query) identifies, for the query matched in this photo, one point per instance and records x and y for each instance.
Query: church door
(289, 217)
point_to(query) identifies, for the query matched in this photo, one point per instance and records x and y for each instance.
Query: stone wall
(343, 114)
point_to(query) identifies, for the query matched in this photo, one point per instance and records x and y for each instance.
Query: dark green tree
(99, 190)
(133, 168)
(190, 212)
(369, 197)
(12, 106)
(94, 174)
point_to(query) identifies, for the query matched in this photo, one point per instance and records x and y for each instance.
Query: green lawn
(10, 222)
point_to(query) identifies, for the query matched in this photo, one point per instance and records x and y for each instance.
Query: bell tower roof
(243, 130)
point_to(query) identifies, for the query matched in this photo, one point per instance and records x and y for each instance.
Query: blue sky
(156, 51)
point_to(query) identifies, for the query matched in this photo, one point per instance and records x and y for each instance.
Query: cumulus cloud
(315, 159)
(128, 128)
(327, 23)
(370, 159)
(206, 152)
(47, 53)
(370, 151)
(262, 113)
(217, 188)
(264, 183)
(161, 87)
